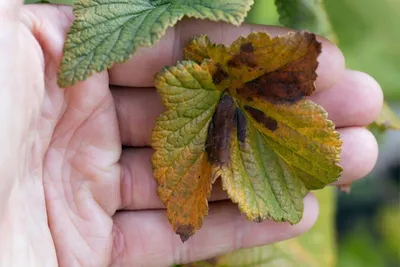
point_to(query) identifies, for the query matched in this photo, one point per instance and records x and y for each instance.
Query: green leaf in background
(263, 12)
(313, 249)
(359, 249)
(109, 31)
(388, 119)
(389, 229)
(369, 36)
(305, 15)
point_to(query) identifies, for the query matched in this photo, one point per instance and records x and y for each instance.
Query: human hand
(70, 196)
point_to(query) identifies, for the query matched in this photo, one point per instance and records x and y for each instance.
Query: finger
(356, 100)
(9, 9)
(140, 69)
(359, 154)
(145, 238)
(137, 111)
(139, 188)
(138, 185)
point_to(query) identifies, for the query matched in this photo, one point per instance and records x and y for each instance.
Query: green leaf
(388, 220)
(307, 15)
(367, 28)
(315, 248)
(263, 12)
(387, 120)
(267, 143)
(108, 31)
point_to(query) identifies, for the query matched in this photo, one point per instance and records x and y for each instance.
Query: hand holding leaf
(239, 114)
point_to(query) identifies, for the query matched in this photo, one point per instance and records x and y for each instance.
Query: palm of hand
(74, 168)
(81, 172)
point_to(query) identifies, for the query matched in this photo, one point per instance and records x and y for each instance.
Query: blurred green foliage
(388, 225)
(369, 36)
(359, 249)
(367, 223)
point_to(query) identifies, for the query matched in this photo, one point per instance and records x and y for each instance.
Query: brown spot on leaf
(185, 231)
(247, 48)
(241, 125)
(260, 117)
(245, 57)
(220, 130)
(219, 74)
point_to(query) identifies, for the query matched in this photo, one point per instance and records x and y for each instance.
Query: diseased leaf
(305, 15)
(180, 163)
(105, 32)
(387, 119)
(267, 143)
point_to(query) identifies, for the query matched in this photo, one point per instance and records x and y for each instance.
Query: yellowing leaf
(268, 144)
(105, 32)
(180, 163)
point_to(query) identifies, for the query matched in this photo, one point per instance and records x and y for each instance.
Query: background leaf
(387, 119)
(108, 31)
(368, 35)
(315, 248)
(263, 12)
(305, 15)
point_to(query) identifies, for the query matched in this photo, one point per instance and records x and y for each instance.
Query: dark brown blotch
(260, 117)
(219, 74)
(247, 48)
(185, 231)
(220, 131)
(241, 125)
(245, 57)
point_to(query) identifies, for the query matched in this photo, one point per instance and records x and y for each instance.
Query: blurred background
(367, 220)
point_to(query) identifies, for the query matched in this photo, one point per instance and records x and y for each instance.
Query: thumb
(9, 139)
(9, 9)
(21, 83)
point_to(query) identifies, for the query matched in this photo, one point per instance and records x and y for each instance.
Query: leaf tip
(185, 231)
(258, 219)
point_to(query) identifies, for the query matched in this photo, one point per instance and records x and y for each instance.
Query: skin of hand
(70, 196)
